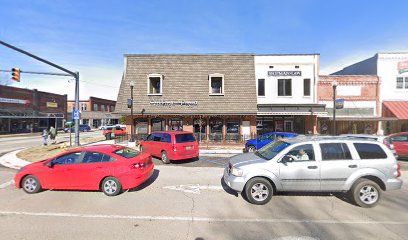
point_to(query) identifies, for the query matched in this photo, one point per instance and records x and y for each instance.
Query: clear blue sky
(92, 36)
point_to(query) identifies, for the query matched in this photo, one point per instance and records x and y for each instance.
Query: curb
(223, 151)
(11, 160)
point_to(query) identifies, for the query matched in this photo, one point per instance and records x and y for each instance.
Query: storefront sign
(52, 104)
(403, 67)
(284, 73)
(174, 103)
(14, 101)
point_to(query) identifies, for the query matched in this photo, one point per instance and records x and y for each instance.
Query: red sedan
(400, 142)
(109, 168)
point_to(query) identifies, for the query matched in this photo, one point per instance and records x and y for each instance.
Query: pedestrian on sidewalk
(53, 134)
(45, 137)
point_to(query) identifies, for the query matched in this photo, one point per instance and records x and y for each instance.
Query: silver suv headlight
(236, 172)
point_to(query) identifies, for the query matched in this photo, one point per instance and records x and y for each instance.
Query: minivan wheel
(165, 158)
(251, 148)
(111, 186)
(258, 191)
(30, 184)
(366, 193)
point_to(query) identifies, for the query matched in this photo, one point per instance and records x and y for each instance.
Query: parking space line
(6, 184)
(201, 219)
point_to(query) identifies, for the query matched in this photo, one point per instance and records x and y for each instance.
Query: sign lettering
(284, 73)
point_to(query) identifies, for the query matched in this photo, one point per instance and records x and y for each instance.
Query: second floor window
(83, 106)
(155, 84)
(284, 87)
(95, 107)
(261, 87)
(306, 87)
(103, 108)
(401, 84)
(216, 84)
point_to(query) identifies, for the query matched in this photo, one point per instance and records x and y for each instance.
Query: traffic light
(15, 74)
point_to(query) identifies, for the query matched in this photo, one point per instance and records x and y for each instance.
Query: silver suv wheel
(365, 193)
(258, 190)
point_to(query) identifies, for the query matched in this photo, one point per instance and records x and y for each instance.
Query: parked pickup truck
(118, 132)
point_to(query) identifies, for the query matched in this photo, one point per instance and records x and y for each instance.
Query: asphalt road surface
(11, 143)
(190, 203)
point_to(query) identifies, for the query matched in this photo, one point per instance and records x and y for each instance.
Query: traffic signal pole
(74, 74)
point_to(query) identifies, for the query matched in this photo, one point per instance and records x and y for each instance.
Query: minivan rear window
(370, 151)
(182, 138)
(127, 153)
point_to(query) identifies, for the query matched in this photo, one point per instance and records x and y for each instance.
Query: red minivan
(400, 142)
(171, 145)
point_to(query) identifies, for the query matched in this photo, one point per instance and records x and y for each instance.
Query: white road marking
(200, 219)
(193, 188)
(6, 184)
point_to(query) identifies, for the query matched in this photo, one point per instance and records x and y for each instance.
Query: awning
(7, 113)
(292, 109)
(398, 109)
(356, 119)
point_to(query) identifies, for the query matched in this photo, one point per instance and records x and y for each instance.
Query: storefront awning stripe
(398, 109)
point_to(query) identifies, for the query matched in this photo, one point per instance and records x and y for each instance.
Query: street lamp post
(132, 84)
(334, 85)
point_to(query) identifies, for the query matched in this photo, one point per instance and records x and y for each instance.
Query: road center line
(6, 184)
(201, 219)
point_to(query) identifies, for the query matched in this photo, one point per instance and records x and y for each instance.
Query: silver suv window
(335, 151)
(370, 151)
(302, 153)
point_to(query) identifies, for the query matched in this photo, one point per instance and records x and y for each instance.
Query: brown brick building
(95, 112)
(361, 111)
(213, 94)
(25, 110)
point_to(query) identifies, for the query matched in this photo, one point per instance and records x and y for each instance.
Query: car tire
(251, 148)
(108, 136)
(31, 184)
(165, 157)
(365, 193)
(111, 186)
(258, 191)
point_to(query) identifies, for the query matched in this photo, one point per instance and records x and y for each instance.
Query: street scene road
(191, 203)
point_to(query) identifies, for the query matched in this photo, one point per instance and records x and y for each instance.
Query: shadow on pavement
(190, 160)
(340, 195)
(149, 182)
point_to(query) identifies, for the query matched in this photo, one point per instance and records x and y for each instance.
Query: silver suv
(364, 168)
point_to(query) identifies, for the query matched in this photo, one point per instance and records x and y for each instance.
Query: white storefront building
(287, 93)
(392, 71)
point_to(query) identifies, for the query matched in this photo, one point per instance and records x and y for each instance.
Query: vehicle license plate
(188, 148)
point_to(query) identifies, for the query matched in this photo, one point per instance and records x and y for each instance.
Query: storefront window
(4, 125)
(158, 124)
(200, 129)
(141, 126)
(232, 131)
(175, 124)
(233, 126)
(216, 129)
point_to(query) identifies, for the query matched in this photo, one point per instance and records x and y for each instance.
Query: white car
(103, 127)
(121, 125)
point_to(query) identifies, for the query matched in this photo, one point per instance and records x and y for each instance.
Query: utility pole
(74, 74)
(334, 85)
